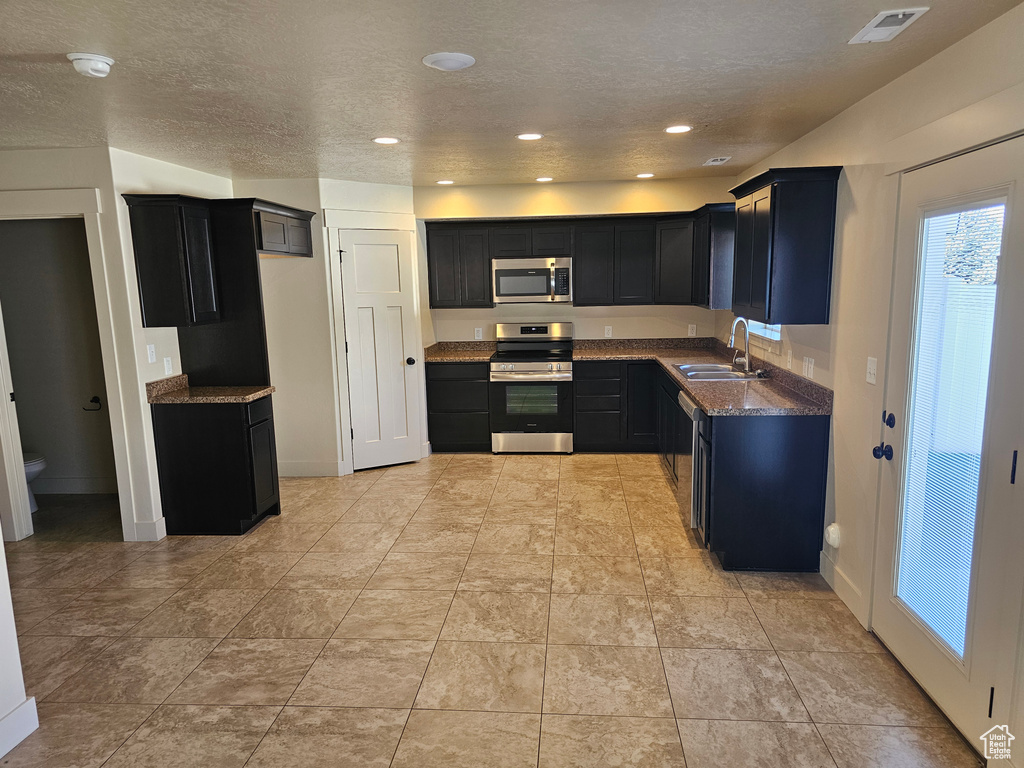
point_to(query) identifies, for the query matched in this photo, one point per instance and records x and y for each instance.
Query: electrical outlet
(809, 367)
(478, 333)
(693, 329)
(872, 376)
(789, 359)
(151, 352)
(607, 331)
(168, 366)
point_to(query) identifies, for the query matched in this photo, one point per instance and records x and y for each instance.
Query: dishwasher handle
(688, 405)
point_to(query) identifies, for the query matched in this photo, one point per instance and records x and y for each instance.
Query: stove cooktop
(533, 355)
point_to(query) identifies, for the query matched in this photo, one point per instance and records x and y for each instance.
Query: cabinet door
(300, 237)
(273, 232)
(634, 264)
(475, 268)
(761, 254)
(674, 267)
(443, 269)
(642, 405)
(202, 283)
(744, 256)
(551, 241)
(264, 464)
(701, 292)
(593, 264)
(511, 242)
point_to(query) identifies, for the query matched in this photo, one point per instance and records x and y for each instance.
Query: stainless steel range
(531, 388)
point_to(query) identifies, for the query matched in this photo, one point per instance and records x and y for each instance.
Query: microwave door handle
(551, 296)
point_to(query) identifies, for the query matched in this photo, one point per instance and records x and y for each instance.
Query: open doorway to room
(49, 327)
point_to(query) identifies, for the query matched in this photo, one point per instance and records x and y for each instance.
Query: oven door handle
(527, 377)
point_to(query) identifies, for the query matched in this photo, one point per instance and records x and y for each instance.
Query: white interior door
(382, 332)
(949, 573)
(15, 516)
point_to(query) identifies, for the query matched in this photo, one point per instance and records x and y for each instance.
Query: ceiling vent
(718, 160)
(886, 25)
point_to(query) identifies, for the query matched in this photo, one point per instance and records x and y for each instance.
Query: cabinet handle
(410, 360)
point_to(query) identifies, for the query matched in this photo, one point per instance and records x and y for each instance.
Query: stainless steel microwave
(532, 281)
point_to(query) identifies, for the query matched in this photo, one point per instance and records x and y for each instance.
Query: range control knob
(503, 367)
(559, 366)
(511, 367)
(551, 366)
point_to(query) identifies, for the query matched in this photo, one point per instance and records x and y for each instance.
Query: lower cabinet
(760, 495)
(217, 464)
(458, 412)
(616, 406)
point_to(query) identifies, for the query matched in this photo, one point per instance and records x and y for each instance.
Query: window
(770, 332)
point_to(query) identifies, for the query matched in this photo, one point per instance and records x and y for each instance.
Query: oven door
(531, 402)
(516, 281)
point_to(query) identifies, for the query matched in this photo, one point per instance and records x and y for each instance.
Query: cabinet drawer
(597, 370)
(598, 387)
(260, 410)
(470, 371)
(590, 404)
(455, 396)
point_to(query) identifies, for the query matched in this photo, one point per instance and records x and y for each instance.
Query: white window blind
(949, 385)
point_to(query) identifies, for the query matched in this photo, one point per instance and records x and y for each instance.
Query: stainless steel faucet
(736, 360)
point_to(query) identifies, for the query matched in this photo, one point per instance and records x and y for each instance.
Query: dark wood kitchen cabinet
(600, 406)
(459, 267)
(785, 228)
(674, 275)
(634, 263)
(282, 231)
(174, 260)
(613, 263)
(217, 464)
(760, 495)
(642, 405)
(714, 236)
(593, 265)
(530, 240)
(458, 411)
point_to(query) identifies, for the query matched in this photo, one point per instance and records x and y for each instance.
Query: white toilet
(34, 464)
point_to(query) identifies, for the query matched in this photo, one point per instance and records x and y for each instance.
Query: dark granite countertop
(175, 390)
(782, 394)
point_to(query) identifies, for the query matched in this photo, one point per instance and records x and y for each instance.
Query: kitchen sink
(706, 367)
(719, 375)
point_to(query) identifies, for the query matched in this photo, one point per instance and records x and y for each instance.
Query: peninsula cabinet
(459, 267)
(174, 260)
(785, 228)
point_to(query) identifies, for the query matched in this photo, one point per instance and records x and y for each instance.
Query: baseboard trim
(847, 591)
(308, 468)
(18, 725)
(151, 531)
(45, 485)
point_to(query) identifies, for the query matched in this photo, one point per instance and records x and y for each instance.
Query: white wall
(970, 93)
(53, 345)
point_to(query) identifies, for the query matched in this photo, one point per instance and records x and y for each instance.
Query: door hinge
(353, 433)
(1013, 467)
(12, 400)
(991, 700)
(346, 347)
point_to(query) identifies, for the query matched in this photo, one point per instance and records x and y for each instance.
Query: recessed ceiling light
(545, 178)
(446, 182)
(386, 140)
(645, 175)
(530, 136)
(449, 62)
(678, 129)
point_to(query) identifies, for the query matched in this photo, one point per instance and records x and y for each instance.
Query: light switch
(607, 331)
(168, 366)
(478, 333)
(872, 376)
(693, 329)
(151, 352)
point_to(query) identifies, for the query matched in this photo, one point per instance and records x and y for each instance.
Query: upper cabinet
(524, 241)
(634, 263)
(459, 267)
(714, 235)
(282, 231)
(613, 262)
(785, 228)
(674, 266)
(593, 265)
(174, 262)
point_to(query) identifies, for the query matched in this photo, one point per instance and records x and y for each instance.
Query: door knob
(410, 360)
(882, 450)
(889, 419)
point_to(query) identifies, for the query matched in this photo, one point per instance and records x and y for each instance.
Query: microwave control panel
(562, 281)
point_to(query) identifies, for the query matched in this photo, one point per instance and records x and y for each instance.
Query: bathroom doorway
(50, 327)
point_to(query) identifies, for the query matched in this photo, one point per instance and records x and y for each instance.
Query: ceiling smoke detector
(886, 25)
(91, 64)
(718, 160)
(449, 62)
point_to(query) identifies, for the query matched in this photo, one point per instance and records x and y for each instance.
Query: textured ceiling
(297, 88)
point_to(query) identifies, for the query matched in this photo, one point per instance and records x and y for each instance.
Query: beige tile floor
(465, 611)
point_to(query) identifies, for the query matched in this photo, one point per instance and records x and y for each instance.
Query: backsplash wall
(589, 322)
